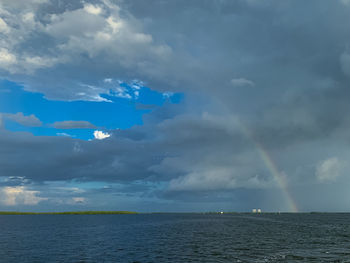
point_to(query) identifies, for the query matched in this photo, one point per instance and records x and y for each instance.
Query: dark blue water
(175, 238)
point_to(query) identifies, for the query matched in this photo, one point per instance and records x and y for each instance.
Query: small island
(69, 213)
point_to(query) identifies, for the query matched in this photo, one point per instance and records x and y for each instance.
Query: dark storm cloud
(202, 47)
(194, 155)
(20, 118)
(173, 148)
(270, 73)
(73, 125)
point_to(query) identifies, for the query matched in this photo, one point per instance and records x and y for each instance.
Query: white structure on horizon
(256, 210)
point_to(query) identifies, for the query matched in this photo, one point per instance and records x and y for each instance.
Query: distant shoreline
(133, 213)
(69, 213)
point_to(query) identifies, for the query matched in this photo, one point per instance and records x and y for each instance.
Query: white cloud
(63, 134)
(7, 58)
(242, 82)
(115, 87)
(92, 93)
(219, 178)
(204, 180)
(114, 25)
(329, 170)
(3, 26)
(17, 195)
(94, 33)
(92, 9)
(100, 135)
(39, 62)
(28, 17)
(97, 31)
(167, 95)
(122, 92)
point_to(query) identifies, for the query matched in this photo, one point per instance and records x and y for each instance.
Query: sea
(240, 237)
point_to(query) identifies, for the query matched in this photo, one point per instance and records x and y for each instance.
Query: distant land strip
(69, 213)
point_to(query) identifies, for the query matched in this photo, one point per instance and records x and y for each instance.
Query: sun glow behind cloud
(19, 195)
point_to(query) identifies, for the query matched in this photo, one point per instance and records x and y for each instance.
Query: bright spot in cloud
(116, 26)
(100, 135)
(91, 9)
(6, 57)
(11, 196)
(3, 26)
(28, 17)
(63, 134)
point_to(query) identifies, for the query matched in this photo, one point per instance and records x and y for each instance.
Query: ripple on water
(175, 238)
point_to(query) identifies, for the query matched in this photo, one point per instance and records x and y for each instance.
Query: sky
(175, 106)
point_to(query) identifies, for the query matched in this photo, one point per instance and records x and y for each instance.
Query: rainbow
(271, 166)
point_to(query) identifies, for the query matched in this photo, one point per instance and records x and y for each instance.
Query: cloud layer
(20, 118)
(269, 76)
(73, 125)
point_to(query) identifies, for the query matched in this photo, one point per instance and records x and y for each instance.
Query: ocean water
(175, 238)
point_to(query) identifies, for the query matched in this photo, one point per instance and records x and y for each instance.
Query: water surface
(175, 238)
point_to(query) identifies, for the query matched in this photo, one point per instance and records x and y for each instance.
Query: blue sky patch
(119, 111)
